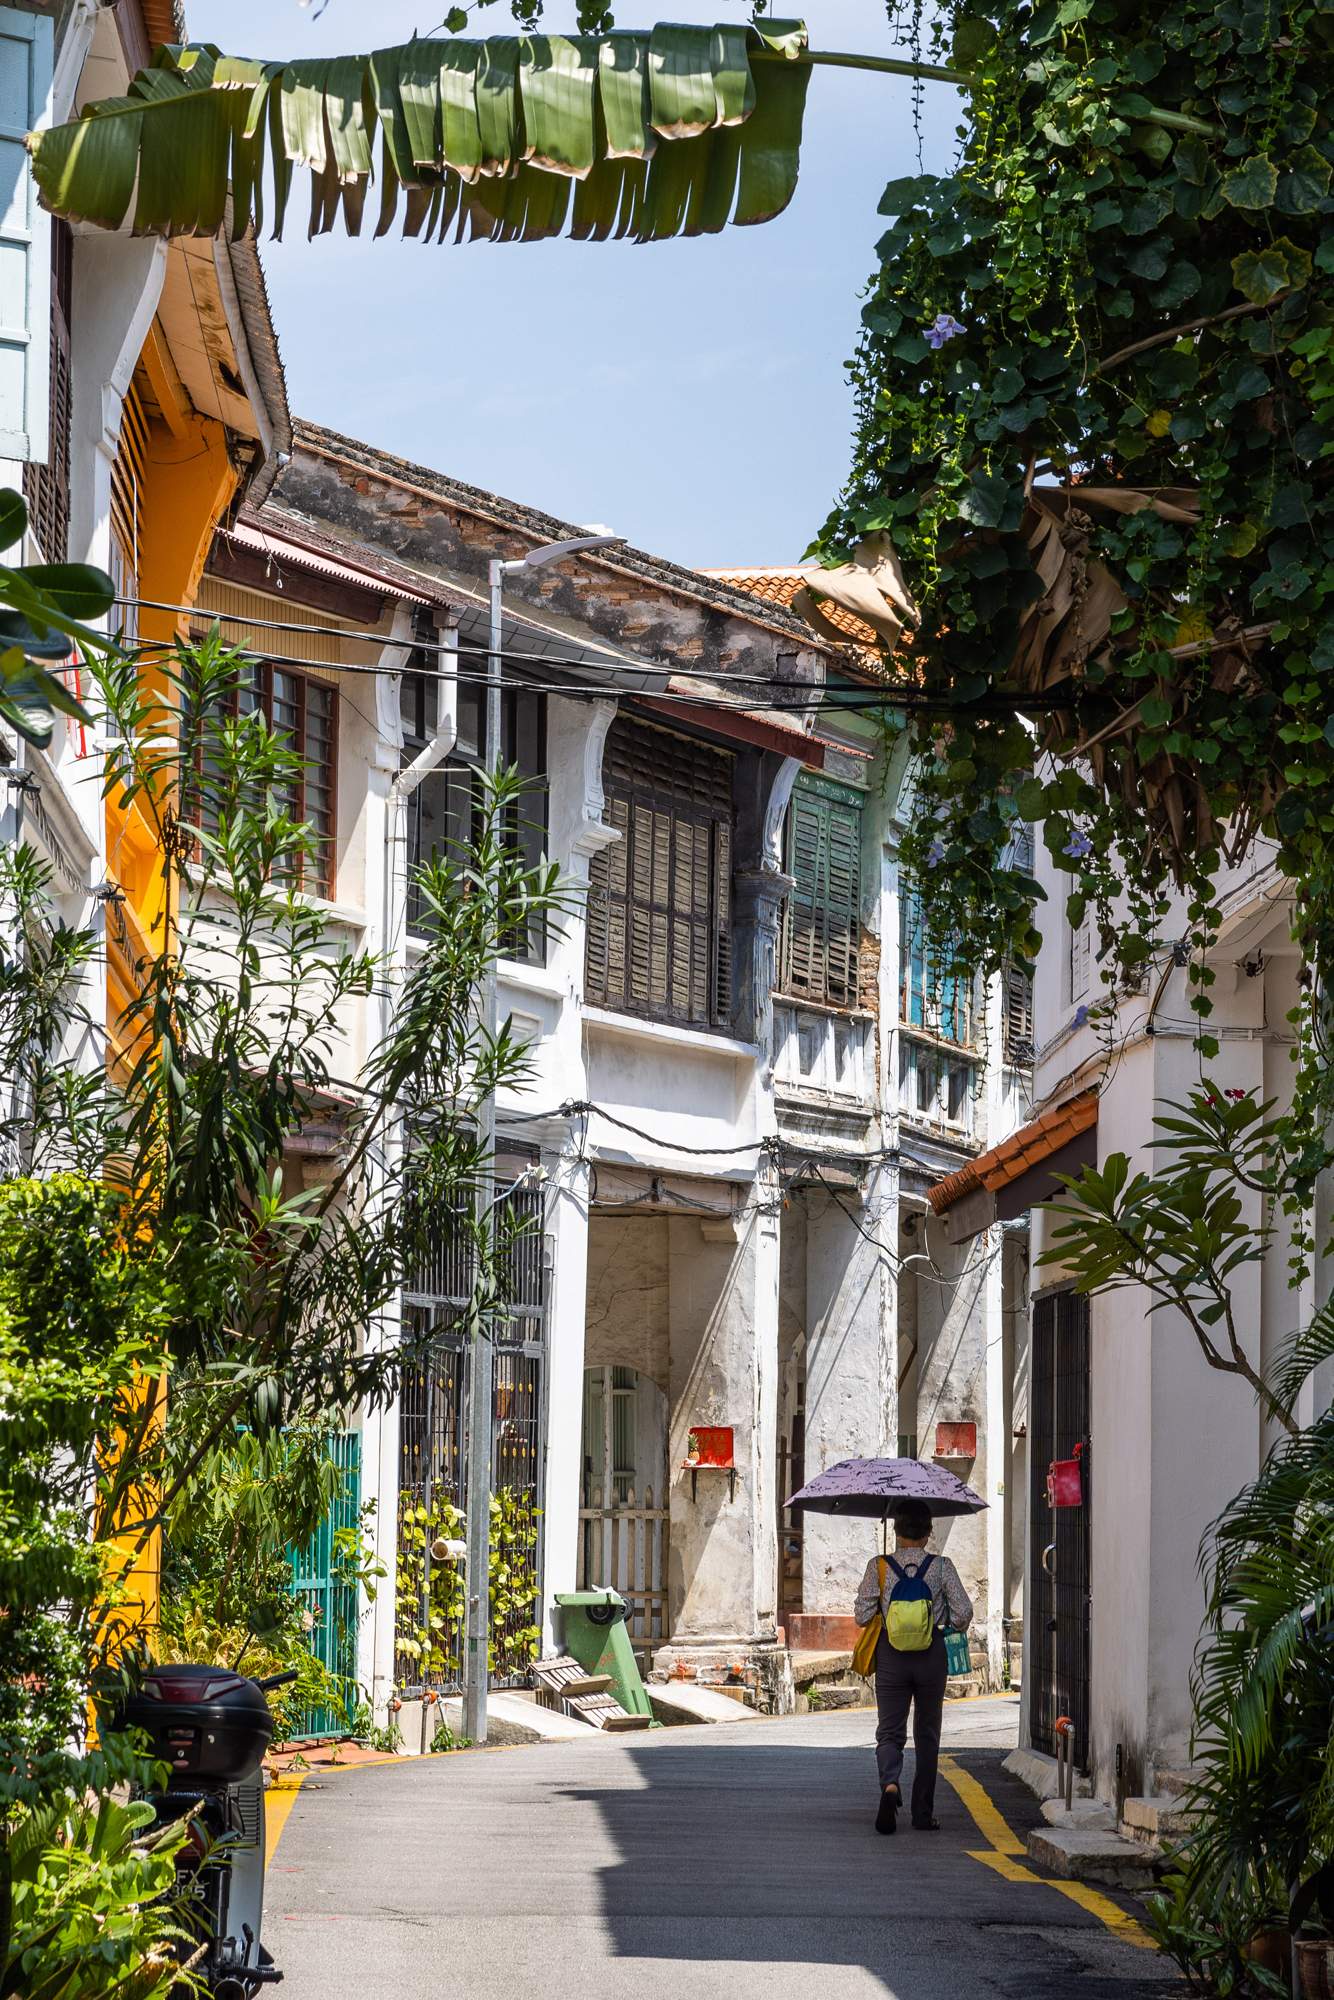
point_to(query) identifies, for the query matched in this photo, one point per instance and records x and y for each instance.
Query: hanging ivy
(1096, 420)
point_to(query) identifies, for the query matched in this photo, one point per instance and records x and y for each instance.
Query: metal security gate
(433, 1454)
(331, 1600)
(1059, 1656)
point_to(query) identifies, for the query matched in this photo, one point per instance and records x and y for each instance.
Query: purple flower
(935, 854)
(942, 328)
(1078, 845)
(1081, 1018)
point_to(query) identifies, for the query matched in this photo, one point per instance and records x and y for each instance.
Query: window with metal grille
(305, 712)
(822, 916)
(659, 935)
(442, 809)
(46, 488)
(939, 1002)
(1017, 1001)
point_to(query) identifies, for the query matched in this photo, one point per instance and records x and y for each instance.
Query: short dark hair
(912, 1519)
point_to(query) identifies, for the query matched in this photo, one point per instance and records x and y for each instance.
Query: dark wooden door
(1059, 1429)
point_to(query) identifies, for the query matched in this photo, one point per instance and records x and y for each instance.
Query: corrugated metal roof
(280, 552)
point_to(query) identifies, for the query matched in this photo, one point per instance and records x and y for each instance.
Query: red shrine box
(710, 1444)
(956, 1441)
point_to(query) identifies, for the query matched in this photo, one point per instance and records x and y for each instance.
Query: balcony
(824, 1072)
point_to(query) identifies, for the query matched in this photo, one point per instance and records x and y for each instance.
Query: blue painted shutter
(26, 46)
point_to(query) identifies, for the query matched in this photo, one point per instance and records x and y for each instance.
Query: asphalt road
(737, 1862)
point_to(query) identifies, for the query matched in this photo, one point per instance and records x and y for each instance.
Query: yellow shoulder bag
(863, 1653)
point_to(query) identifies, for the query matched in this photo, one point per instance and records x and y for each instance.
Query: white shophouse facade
(743, 1082)
(114, 351)
(1113, 1600)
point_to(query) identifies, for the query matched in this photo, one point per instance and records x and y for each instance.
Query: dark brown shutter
(1017, 994)
(128, 476)
(822, 920)
(659, 905)
(46, 488)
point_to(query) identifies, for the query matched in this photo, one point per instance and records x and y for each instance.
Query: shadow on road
(764, 1852)
(729, 1863)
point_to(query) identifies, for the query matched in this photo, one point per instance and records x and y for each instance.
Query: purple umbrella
(868, 1489)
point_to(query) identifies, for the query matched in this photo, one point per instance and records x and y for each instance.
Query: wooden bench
(563, 1684)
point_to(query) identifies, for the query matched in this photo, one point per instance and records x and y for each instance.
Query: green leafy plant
(444, 1740)
(1261, 1856)
(431, 1596)
(93, 1905)
(646, 135)
(1185, 1232)
(180, 1254)
(46, 606)
(1093, 429)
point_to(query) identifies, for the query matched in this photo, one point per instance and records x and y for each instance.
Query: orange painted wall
(189, 481)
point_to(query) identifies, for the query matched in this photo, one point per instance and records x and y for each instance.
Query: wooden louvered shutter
(658, 939)
(26, 58)
(46, 488)
(127, 491)
(1017, 994)
(822, 920)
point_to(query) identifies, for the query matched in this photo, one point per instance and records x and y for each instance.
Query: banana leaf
(673, 131)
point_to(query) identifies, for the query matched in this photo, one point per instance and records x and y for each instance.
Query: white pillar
(993, 1452)
(385, 900)
(567, 1223)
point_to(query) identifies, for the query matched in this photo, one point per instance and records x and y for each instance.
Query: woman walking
(917, 1596)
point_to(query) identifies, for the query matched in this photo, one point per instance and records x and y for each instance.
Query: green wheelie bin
(592, 1629)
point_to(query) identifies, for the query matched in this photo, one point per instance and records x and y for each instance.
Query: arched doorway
(623, 1510)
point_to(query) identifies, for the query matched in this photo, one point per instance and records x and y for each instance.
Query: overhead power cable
(801, 696)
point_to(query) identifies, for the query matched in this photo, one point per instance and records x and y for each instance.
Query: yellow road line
(1004, 1845)
(278, 1803)
(986, 1817)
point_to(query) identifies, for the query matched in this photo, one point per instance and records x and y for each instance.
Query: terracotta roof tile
(780, 585)
(1026, 1148)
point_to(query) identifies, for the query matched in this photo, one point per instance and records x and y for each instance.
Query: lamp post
(482, 1357)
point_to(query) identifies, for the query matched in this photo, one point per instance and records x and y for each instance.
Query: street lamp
(481, 1381)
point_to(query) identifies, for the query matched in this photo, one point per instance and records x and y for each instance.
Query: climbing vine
(1096, 422)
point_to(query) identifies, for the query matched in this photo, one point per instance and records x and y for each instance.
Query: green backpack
(910, 1623)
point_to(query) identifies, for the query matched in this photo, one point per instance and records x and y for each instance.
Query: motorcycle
(212, 1726)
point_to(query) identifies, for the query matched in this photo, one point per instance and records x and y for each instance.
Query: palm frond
(675, 131)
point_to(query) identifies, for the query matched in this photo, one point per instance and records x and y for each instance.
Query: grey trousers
(916, 1681)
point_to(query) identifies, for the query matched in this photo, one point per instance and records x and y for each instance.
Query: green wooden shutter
(822, 920)
(26, 54)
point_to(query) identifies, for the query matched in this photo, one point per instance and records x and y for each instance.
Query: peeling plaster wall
(952, 1323)
(627, 1322)
(851, 1389)
(426, 521)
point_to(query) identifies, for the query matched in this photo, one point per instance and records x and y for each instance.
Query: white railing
(623, 1543)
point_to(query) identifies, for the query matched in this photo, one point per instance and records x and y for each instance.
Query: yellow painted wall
(188, 483)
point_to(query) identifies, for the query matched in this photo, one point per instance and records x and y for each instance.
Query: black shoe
(926, 1826)
(886, 1818)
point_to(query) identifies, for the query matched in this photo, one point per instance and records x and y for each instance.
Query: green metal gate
(333, 1638)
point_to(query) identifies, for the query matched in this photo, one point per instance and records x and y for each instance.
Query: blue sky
(692, 395)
